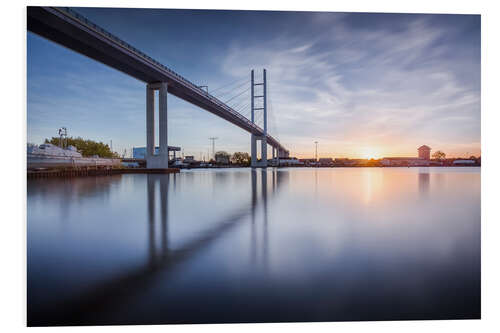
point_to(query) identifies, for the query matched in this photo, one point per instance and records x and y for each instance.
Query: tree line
(239, 158)
(88, 148)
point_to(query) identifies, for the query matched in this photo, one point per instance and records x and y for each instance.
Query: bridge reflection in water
(100, 299)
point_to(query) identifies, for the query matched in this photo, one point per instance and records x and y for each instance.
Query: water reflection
(157, 255)
(87, 306)
(423, 183)
(260, 261)
(246, 245)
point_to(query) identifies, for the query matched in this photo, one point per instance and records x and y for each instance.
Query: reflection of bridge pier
(101, 297)
(253, 240)
(164, 180)
(264, 204)
(265, 238)
(151, 220)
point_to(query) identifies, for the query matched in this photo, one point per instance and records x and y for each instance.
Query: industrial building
(140, 152)
(423, 159)
(424, 152)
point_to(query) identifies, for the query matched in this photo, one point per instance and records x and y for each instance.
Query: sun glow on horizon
(370, 152)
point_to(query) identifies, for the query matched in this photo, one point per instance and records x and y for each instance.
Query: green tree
(439, 155)
(241, 158)
(86, 147)
(222, 157)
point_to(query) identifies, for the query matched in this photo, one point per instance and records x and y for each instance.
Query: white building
(405, 161)
(464, 162)
(290, 161)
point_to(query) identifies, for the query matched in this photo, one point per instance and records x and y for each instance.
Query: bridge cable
(229, 84)
(240, 101)
(245, 111)
(273, 121)
(241, 93)
(224, 93)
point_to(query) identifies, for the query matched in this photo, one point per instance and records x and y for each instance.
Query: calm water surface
(235, 245)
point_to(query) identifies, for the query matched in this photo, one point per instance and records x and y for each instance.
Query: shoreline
(83, 172)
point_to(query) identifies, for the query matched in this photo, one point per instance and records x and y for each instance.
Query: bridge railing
(180, 78)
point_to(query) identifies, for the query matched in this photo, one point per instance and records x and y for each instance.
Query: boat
(50, 150)
(48, 155)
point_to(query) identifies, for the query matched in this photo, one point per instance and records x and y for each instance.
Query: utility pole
(213, 146)
(63, 133)
(316, 156)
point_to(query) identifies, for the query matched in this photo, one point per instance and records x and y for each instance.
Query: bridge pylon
(255, 139)
(153, 160)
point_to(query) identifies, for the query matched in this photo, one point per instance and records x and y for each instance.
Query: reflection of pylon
(213, 146)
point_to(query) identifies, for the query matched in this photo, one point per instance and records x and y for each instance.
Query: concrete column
(263, 162)
(154, 161)
(263, 143)
(150, 121)
(253, 151)
(163, 128)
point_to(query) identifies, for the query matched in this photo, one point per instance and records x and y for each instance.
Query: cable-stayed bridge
(70, 29)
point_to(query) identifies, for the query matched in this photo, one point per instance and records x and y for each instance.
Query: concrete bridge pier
(263, 141)
(282, 153)
(153, 160)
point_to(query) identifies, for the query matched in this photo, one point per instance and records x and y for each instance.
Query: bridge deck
(68, 28)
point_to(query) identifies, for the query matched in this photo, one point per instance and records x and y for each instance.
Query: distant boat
(48, 155)
(48, 149)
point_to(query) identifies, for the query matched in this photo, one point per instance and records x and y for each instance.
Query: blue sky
(362, 85)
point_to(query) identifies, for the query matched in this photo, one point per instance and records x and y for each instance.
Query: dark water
(213, 246)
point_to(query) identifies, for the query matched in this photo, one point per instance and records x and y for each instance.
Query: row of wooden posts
(93, 171)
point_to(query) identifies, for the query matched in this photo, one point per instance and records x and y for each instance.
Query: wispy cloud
(350, 81)
(372, 87)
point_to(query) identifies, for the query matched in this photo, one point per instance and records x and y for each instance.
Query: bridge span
(70, 29)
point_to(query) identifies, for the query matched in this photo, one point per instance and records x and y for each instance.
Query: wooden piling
(94, 171)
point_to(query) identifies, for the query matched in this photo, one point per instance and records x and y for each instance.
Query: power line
(213, 145)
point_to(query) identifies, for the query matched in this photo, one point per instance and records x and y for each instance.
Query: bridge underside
(80, 35)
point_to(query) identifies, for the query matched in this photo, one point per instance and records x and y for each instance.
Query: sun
(369, 153)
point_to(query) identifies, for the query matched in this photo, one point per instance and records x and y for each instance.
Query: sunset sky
(362, 85)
